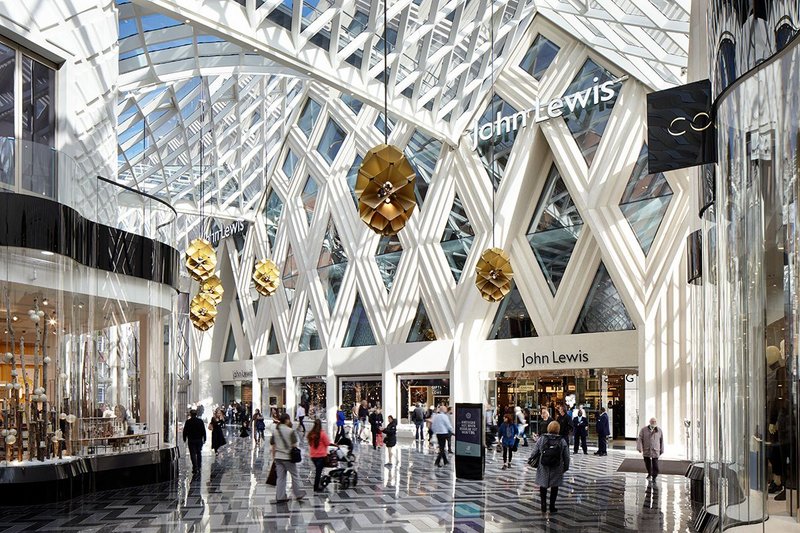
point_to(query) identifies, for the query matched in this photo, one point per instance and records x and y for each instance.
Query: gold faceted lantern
(213, 287)
(202, 311)
(493, 274)
(266, 277)
(385, 189)
(201, 259)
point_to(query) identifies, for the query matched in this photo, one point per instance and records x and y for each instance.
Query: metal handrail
(142, 193)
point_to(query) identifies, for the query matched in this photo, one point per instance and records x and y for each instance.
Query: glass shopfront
(430, 391)
(276, 397)
(353, 390)
(313, 394)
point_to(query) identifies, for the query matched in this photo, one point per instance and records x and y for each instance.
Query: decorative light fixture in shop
(202, 311)
(266, 277)
(493, 273)
(385, 183)
(201, 259)
(213, 287)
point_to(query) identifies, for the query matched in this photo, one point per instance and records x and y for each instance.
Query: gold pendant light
(202, 311)
(201, 259)
(493, 274)
(385, 190)
(266, 277)
(213, 287)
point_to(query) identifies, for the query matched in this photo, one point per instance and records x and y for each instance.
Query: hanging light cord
(491, 121)
(202, 154)
(385, 74)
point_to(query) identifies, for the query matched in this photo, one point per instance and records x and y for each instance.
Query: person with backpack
(508, 433)
(553, 460)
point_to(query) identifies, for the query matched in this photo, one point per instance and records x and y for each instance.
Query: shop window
(352, 176)
(421, 327)
(496, 157)
(289, 276)
(332, 264)
(8, 60)
(289, 164)
(603, 309)
(423, 153)
(587, 124)
(308, 117)
(645, 202)
(539, 56)
(359, 331)
(331, 141)
(457, 239)
(554, 229)
(272, 214)
(272, 342)
(309, 338)
(512, 320)
(231, 354)
(388, 258)
(352, 102)
(354, 392)
(309, 198)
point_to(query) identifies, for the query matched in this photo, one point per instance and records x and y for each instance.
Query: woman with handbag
(318, 443)
(508, 438)
(550, 457)
(216, 425)
(285, 455)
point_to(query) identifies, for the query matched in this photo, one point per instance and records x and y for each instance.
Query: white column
(331, 398)
(389, 388)
(290, 389)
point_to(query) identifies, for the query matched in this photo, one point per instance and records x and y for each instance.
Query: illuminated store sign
(554, 358)
(601, 92)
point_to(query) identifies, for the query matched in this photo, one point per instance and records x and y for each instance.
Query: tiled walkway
(230, 496)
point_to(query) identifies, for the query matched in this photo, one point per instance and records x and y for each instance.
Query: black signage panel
(680, 127)
(470, 449)
(694, 257)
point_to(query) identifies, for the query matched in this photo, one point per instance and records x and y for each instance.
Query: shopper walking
(580, 426)
(544, 421)
(375, 424)
(491, 426)
(390, 438)
(418, 417)
(651, 445)
(194, 435)
(340, 416)
(564, 422)
(363, 414)
(603, 431)
(259, 426)
(217, 436)
(318, 443)
(442, 427)
(301, 415)
(283, 440)
(553, 452)
(509, 434)
(522, 423)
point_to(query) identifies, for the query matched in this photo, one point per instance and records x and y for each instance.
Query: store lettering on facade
(553, 358)
(231, 229)
(242, 374)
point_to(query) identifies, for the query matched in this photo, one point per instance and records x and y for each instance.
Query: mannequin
(776, 382)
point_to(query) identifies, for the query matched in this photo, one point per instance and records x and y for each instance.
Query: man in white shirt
(301, 414)
(442, 427)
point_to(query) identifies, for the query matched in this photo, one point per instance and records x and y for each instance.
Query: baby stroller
(339, 467)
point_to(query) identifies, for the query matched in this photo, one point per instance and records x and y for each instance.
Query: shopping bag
(272, 477)
(379, 439)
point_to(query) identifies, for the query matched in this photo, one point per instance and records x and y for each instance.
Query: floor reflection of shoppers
(442, 427)
(580, 427)
(217, 436)
(282, 441)
(194, 434)
(603, 431)
(390, 438)
(318, 443)
(651, 445)
(553, 453)
(508, 439)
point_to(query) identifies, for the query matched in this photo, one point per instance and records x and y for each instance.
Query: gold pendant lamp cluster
(266, 277)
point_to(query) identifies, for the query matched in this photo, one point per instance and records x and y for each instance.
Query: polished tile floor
(230, 495)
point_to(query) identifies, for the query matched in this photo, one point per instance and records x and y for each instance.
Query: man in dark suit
(603, 431)
(194, 433)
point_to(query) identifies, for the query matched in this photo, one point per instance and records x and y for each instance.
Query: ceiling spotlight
(15, 318)
(44, 301)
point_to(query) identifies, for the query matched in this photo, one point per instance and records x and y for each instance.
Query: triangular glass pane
(457, 238)
(503, 143)
(388, 257)
(645, 202)
(309, 198)
(289, 164)
(272, 213)
(512, 320)
(554, 229)
(332, 264)
(421, 327)
(352, 176)
(458, 225)
(423, 152)
(539, 56)
(255, 306)
(309, 338)
(588, 123)
(231, 354)
(272, 342)
(603, 309)
(359, 331)
(456, 253)
(331, 141)
(289, 275)
(332, 249)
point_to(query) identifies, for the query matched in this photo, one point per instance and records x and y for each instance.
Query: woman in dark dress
(216, 425)
(390, 439)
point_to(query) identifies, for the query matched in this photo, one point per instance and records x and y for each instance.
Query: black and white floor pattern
(230, 495)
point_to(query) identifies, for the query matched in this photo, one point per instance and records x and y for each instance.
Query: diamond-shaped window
(423, 153)
(289, 164)
(421, 327)
(588, 123)
(332, 264)
(359, 331)
(352, 102)
(645, 202)
(331, 141)
(457, 238)
(554, 229)
(289, 275)
(539, 56)
(272, 214)
(503, 143)
(309, 337)
(603, 309)
(308, 117)
(352, 176)
(512, 320)
(387, 256)
(309, 198)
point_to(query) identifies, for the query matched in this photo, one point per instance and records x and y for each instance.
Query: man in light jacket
(442, 427)
(651, 445)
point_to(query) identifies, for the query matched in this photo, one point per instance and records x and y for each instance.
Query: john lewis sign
(600, 92)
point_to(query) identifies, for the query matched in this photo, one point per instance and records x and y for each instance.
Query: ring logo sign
(600, 92)
(680, 125)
